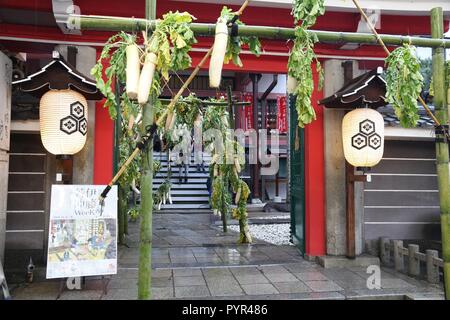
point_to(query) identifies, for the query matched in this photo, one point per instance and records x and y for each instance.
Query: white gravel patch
(277, 234)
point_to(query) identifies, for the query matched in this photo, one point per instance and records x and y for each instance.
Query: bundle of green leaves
(307, 11)
(171, 41)
(303, 56)
(300, 68)
(404, 84)
(187, 110)
(114, 51)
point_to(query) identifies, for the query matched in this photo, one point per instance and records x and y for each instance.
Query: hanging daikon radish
(238, 195)
(198, 121)
(214, 158)
(131, 122)
(133, 70)
(291, 84)
(169, 118)
(170, 197)
(218, 53)
(237, 164)
(172, 122)
(145, 81)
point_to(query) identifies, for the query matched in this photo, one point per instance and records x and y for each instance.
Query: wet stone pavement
(193, 259)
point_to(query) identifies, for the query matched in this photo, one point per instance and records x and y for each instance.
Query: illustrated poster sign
(82, 237)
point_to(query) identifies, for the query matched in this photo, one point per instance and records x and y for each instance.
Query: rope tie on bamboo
(442, 129)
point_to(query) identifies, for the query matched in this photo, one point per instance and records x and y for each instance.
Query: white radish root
(168, 120)
(133, 70)
(146, 78)
(218, 53)
(238, 195)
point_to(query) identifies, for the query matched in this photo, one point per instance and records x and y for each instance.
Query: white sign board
(5, 102)
(82, 237)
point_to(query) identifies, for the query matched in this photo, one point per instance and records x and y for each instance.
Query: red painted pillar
(314, 181)
(103, 144)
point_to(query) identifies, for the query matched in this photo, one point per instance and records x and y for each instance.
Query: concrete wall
(83, 162)
(5, 120)
(335, 202)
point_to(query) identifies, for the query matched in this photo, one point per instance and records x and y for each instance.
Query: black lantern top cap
(60, 75)
(367, 90)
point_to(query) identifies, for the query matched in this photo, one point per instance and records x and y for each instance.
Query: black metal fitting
(150, 132)
(443, 130)
(105, 192)
(234, 26)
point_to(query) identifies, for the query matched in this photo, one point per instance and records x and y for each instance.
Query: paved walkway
(193, 259)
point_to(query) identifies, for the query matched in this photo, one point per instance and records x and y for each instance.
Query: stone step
(159, 180)
(188, 192)
(198, 199)
(191, 168)
(176, 186)
(175, 175)
(185, 206)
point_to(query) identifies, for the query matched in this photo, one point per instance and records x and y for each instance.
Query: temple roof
(367, 89)
(58, 74)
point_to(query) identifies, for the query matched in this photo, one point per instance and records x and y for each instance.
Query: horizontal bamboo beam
(107, 23)
(209, 103)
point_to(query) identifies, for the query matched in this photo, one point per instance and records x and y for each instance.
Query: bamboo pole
(442, 149)
(145, 238)
(116, 160)
(106, 23)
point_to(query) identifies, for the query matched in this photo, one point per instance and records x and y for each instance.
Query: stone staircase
(190, 195)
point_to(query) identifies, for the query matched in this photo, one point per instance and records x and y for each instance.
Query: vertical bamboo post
(442, 150)
(145, 243)
(116, 160)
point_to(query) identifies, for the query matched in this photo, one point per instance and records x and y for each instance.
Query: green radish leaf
(404, 84)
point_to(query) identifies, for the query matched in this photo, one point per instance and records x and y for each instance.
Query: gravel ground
(277, 234)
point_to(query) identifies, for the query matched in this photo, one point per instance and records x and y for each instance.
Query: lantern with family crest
(63, 107)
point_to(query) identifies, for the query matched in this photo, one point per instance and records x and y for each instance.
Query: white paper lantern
(363, 137)
(63, 121)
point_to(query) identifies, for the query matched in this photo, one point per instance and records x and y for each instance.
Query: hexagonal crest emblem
(367, 127)
(359, 141)
(68, 125)
(375, 141)
(77, 110)
(83, 126)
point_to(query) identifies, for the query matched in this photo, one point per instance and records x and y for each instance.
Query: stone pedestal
(344, 262)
